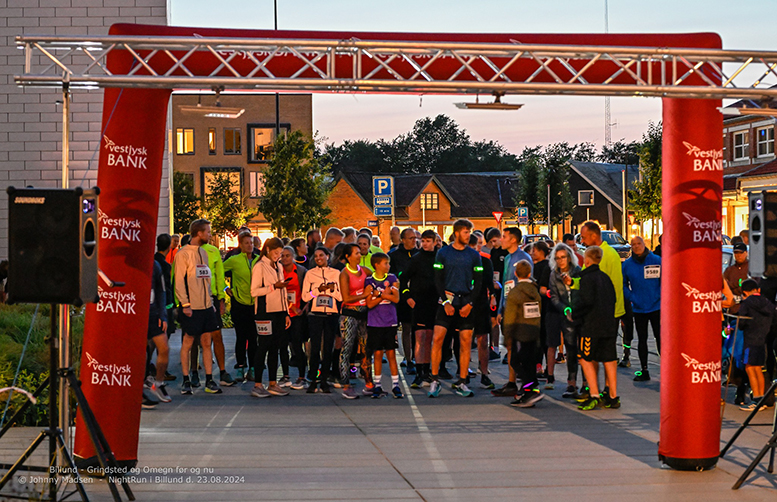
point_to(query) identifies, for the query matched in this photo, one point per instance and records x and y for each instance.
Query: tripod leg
(770, 445)
(748, 419)
(72, 467)
(101, 447)
(43, 385)
(27, 454)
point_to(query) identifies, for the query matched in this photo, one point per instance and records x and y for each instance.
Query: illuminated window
(429, 201)
(741, 145)
(209, 175)
(262, 141)
(765, 137)
(184, 141)
(232, 141)
(255, 184)
(212, 141)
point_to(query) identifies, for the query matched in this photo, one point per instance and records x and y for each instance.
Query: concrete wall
(30, 119)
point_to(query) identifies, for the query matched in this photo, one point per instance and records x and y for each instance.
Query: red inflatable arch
(130, 170)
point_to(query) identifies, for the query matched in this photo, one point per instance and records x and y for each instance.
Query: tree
(528, 173)
(296, 186)
(621, 153)
(556, 173)
(645, 199)
(225, 206)
(186, 204)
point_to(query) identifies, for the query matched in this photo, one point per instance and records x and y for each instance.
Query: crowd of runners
(321, 314)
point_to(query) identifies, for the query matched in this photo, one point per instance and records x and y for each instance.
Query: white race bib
(496, 276)
(203, 272)
(291, 296)
(531, 310)
(324, 301)
(509, 285)
(152, 297)
(652, 271)
(263, 328)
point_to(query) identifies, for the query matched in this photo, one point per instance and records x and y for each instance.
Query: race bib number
(496, 277)
(291, 296)
(531, 310)
(324, 301)
(263, 328)
(652, 271)
(509, 285)
(153, 297)
(203, 272)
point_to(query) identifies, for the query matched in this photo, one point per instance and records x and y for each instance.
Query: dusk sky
(744, 24)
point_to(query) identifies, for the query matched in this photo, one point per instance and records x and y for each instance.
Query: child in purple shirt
(382, 322)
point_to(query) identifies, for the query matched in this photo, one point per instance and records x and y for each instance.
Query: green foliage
(15, 322)
(225, 206)
(556, 173)
(186, 204)
(621, 152)
(645, 199)
(528, 172)
(434, 145)
(296, 187)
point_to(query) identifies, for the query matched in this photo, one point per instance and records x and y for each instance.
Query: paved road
(323, 447)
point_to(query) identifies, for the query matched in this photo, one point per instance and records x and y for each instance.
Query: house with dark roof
(424, 201)
(749, 163)
(597, 189)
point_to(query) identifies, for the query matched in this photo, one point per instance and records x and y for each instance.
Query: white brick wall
(31, 121)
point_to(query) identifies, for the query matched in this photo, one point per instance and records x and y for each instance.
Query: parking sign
(382, 186)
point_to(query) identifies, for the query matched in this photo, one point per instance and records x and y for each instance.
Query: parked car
(728, 256)
(614, 239)
(528, 239)
(726, 239)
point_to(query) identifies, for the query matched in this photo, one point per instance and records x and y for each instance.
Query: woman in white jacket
(271, 314)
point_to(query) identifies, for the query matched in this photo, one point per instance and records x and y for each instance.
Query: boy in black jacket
(594, 309)
(756, 316)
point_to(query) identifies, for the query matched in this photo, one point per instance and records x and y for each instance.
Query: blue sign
(522, 212)
(383, 210)
(372, 223)
(382, 186)
(383, 201)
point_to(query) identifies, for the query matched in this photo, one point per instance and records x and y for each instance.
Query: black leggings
(626, 322)
(245, 333)
(641, 322)
(570, 343)
(524, 362)
(267, 346)
(297, 337)
(326, 327)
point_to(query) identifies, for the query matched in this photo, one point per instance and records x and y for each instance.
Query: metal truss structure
(397, 67)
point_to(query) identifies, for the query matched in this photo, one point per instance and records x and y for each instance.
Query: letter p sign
(382, 186)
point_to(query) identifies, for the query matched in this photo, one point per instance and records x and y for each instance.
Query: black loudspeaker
(52, 245)
(762, 253)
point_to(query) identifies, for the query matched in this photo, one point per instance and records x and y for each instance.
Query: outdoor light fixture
(496, 105)
(216, 111)
(769, 112)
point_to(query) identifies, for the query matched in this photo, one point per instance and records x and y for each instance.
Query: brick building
(204, 144)
(31, 119)
(424, 201)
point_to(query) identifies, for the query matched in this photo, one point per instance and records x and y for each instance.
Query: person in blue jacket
(642, 287)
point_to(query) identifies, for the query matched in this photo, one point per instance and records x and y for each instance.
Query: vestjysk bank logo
(702, 372)
(705, 160)
(704, 231)
(703, 302)
(120, 229)
(116, 302)
(111, 375)
(125, 155)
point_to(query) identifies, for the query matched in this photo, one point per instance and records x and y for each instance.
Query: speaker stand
(55, 436)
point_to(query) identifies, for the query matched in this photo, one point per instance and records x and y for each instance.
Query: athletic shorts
(404, 312)
(482, 319)
(381, 338)
(201, 321)
(454, 322)
(154, 329)
(424, 315)
(217, 305)
(755, 355)
(600, 350)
